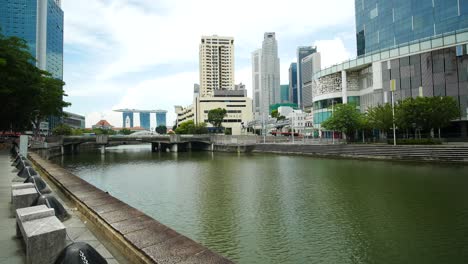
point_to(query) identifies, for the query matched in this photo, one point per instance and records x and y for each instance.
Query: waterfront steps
(399, 152)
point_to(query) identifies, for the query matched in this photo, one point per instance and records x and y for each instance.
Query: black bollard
(39, 182)
(51, 202)
(80, 253)
(26, 172)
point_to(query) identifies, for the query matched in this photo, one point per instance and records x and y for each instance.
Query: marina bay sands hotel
(127, 117)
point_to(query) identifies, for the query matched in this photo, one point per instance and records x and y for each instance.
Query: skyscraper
(40, 23)
(270, 69)
(145, 120)
(302, 52)
(309, 65)
(216, 64)
(256, 82)
(293, 83)
(383, 24)
(285, 93)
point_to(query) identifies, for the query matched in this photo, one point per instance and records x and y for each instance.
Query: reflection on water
(256, 208)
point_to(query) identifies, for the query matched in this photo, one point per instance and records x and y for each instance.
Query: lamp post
(333, 132)
(292, 127)
(393, 88)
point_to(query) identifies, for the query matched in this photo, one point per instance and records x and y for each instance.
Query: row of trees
(29, 95)
(427, 114)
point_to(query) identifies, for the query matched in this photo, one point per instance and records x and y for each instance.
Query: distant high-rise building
(40, 24)
(309, 66)
(270, 69)
(285, 93)
(266, 76)
(293, 83)
(127, 119)
(216, 64)
(256, 82)
(302, 52)
(161, 117)
(382, 24)
(145, 120)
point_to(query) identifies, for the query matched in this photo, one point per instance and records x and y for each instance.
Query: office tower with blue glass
(293, 83)
(302, 52)
(40, 24)
(419, 45)
(382, 24)
(145, 120)
(161, 117)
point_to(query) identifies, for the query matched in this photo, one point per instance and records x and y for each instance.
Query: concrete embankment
(136, 235)
(454, 154)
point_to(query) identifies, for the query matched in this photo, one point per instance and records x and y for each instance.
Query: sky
(143, 54)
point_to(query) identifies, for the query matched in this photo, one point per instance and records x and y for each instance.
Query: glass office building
(161, 118)
(382, 24)
(293, 83)
(302, 52)
(145, 120)
(40, 24)
(284, 90)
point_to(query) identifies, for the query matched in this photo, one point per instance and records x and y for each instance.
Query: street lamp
(333, 132)
(393, 88)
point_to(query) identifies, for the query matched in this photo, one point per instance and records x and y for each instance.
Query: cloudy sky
(144, 53)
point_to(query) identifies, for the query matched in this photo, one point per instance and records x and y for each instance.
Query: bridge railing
(240, 140)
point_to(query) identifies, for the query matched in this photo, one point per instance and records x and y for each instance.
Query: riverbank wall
(449, 154)
(136, 235)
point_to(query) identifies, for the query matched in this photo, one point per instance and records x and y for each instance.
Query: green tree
(63, 130)
(276, 114)
(77, 132)
(161, 129)
(345, 118)
(216, 116)
(189, 127)
(29, 93)
(125, 131)
(50, 100)
(443, 110)
(380, 117)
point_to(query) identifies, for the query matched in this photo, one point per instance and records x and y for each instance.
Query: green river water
(261, 208)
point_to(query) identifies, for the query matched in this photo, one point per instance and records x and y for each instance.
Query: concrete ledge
(139, 237)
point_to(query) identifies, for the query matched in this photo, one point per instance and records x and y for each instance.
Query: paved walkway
(78, 229)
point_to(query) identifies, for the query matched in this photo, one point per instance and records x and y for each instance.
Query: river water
(261, 208)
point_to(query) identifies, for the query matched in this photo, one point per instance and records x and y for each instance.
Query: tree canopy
(29, 94)
(161, 129)
(216, 116)
(345, 118)
(380, 117)
(189, 127)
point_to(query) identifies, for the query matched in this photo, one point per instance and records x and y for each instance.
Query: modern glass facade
(302, 52)
(160, 118)
(54, 48)
(21, 18)
(145, 121)
(293, 83)
(285, 93)
(382, 24)
(127, 118)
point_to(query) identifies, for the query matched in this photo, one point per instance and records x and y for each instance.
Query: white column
(41, 34)
(344, 87)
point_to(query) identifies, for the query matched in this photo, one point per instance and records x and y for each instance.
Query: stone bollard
(42, 232)
(21, 198)
(20, 186)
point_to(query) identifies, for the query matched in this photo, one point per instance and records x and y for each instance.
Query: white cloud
(332, 51)
(131, 36)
